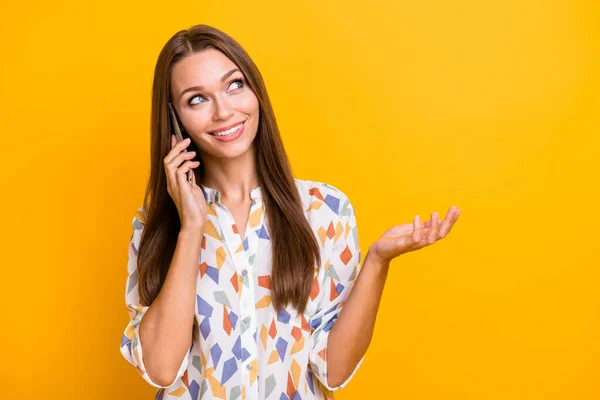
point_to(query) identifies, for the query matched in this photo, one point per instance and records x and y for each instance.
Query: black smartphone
(175, 126)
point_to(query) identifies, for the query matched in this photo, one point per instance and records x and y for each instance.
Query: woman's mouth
(230, 134)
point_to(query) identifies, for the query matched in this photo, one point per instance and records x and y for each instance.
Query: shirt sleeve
(131, 347)
(338, 278)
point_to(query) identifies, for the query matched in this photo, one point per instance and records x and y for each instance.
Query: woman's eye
(191, 103)
(241, 82)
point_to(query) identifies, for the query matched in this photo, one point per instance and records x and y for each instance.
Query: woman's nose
(223, 109)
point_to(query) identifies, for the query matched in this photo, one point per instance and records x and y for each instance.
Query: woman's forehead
(200, 69)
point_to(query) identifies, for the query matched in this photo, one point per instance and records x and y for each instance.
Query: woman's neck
(234, 178)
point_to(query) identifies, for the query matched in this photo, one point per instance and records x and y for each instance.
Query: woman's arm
(166, 329)
(352, 332)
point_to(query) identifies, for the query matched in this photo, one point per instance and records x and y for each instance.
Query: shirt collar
(213, 195)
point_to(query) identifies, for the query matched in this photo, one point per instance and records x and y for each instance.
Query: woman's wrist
(372, 258)
(191, 232)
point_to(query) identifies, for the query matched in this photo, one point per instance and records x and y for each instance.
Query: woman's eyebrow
(202, 87)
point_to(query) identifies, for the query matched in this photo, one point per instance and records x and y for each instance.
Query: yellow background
(408, 107)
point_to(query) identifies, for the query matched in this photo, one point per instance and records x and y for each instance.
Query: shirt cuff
(318, 363)
(131, 349)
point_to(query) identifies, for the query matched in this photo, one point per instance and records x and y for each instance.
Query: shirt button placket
(248, 313)
(247, 310)
(247, 299)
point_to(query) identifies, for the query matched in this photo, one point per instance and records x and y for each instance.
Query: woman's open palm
(404, 238)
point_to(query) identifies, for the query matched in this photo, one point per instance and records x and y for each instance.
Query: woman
(237, 284)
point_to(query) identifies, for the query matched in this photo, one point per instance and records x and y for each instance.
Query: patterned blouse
(245, 349)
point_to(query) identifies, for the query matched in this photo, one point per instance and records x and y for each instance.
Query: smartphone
(175, 125)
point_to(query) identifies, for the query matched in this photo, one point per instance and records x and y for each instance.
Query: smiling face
(209, 94)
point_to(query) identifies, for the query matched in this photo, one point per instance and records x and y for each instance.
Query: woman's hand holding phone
(187, 196)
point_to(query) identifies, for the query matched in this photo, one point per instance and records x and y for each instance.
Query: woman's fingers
(433, 231)
(449, 221)
(438, 229)
(182, 172)
(178, 148)
(416, 236)
(423, 234)
(181, 157)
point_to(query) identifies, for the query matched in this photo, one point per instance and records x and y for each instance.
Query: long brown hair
(295, 248)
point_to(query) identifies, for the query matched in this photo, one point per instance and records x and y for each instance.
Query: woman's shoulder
(311, 187)
(139, 219)
(315, 194)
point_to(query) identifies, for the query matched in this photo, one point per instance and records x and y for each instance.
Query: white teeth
(229, 131)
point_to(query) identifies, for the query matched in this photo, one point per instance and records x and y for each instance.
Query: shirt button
(244, 272)
(247, 320)
(248, 367)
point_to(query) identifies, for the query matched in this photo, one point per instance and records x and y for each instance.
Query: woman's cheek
(199, 125)
(249, 102)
